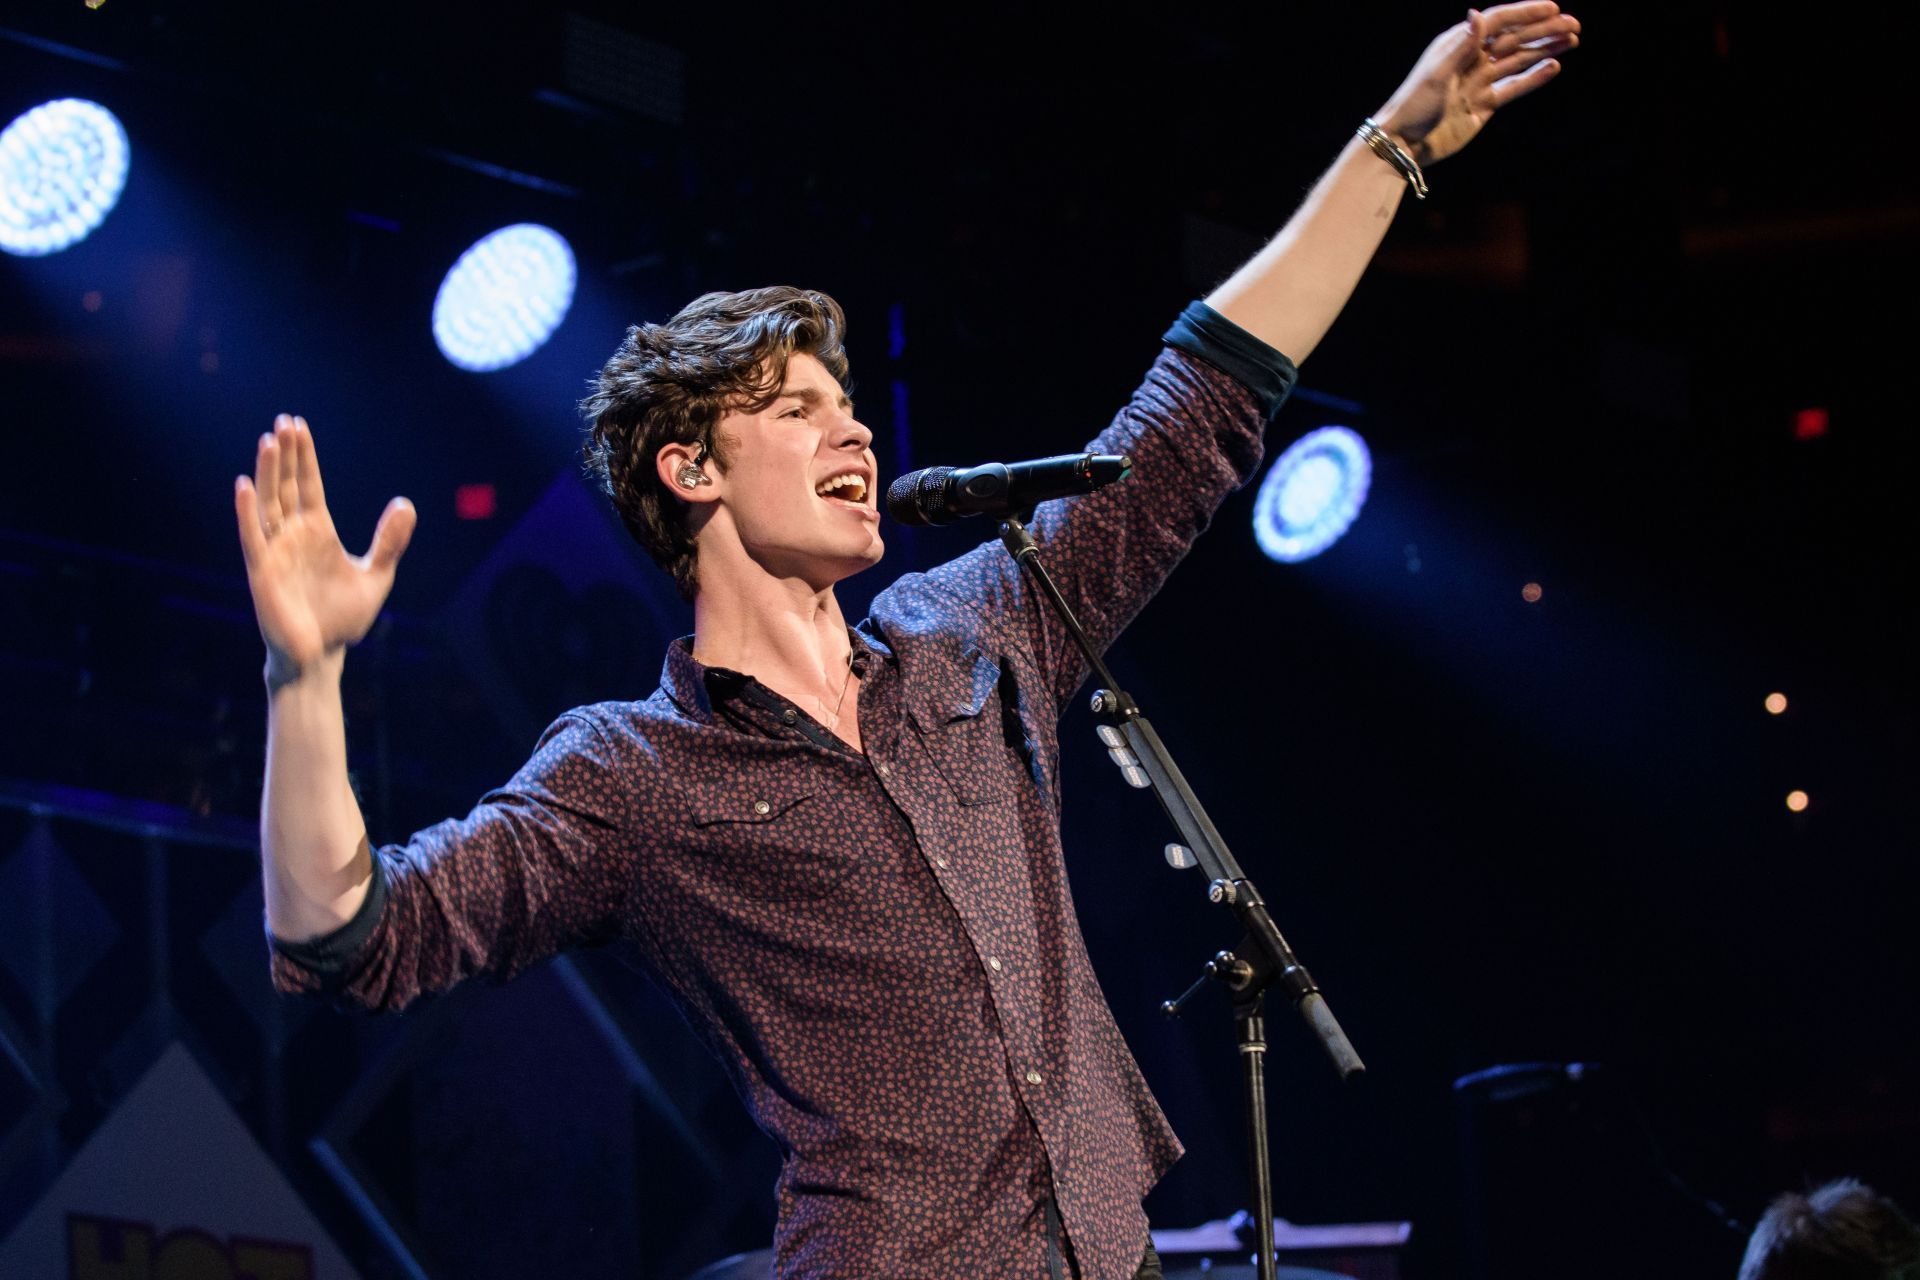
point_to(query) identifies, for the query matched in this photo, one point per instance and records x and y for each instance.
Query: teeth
(854, 486)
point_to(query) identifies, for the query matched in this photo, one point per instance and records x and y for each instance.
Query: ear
(675, 464)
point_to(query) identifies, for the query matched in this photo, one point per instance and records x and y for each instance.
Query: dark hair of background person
(1844, 1230)
(671, 384)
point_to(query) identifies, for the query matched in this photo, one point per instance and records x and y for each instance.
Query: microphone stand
(1262, 959)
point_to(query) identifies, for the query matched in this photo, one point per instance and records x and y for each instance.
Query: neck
(784, 632)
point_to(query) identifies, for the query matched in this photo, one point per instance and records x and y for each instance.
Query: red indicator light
(1809, 424)
(474, 502)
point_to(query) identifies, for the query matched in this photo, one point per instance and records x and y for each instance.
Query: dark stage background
(1498, 831)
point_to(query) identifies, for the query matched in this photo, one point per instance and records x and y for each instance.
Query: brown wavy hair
(671, 384)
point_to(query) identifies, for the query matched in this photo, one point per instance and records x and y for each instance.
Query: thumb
(391, 535)
(1476, 33)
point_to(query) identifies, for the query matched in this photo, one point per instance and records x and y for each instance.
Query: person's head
(1841, 1231)
(719, 428)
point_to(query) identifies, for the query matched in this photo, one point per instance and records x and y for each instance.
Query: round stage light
(504, 297)
(62, 168)
(1312, 494)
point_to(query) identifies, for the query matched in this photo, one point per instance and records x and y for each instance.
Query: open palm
(311, 597)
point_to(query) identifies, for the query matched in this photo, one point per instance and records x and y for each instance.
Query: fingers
(391, 535)
(307, 467)
(266, 475)
(1563, 32)
(286, 472)
(286, 437)
(246, 508)
(1514, 64)
(1502, 16)
(1505, 91)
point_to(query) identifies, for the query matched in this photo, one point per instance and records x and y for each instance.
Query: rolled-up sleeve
(1193, 429)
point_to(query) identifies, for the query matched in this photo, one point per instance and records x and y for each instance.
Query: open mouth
(850, 488)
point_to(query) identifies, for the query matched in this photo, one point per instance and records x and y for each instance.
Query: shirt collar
(684, 679)
(695, 687)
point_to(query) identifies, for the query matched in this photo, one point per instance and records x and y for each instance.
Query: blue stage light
(62, 168)
(504, 297)
(1312, 494)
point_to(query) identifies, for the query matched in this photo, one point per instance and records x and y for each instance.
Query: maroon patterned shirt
(880, 946)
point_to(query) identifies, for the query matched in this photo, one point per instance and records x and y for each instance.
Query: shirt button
(882, 770)
(1033, 1077)
(993, 963)
(789, 716)
(762, 808)
(940, 862)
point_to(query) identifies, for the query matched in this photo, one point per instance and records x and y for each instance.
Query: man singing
(837, 847)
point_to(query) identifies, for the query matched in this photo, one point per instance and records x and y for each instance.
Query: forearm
(316, 861)
(1288, 294)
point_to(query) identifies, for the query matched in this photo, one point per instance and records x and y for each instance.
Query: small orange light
(1776, 703)
(1531, 593)
(1797, 801)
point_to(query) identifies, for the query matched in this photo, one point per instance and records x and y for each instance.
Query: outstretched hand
(1473, 69)
(311, 598)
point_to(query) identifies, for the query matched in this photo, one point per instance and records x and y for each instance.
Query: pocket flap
(959, 693)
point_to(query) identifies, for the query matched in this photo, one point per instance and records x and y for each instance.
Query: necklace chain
(833, 716)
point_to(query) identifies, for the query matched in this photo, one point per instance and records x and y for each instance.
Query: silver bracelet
(1394, 154)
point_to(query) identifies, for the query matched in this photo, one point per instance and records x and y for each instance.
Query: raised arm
(312, 600)
(1194, 426)
(537, 866)
(1289, 293)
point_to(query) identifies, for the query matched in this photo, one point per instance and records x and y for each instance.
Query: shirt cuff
(330, 956)
(1205, 334)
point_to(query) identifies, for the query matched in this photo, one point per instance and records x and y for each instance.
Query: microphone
(941, 495)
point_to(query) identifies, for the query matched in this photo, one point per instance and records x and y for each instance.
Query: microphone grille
(920, 497)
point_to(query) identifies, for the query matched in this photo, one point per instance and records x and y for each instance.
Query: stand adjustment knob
(1230, 969)
(1223, 892)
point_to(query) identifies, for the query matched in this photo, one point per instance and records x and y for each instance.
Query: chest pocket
(768, 844)
(974, 738)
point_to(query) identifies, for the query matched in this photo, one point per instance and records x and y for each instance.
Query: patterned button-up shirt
(880, 946)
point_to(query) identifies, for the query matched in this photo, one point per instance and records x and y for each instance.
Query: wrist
(1394, 154)
(1409, 138)
(286, 677)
